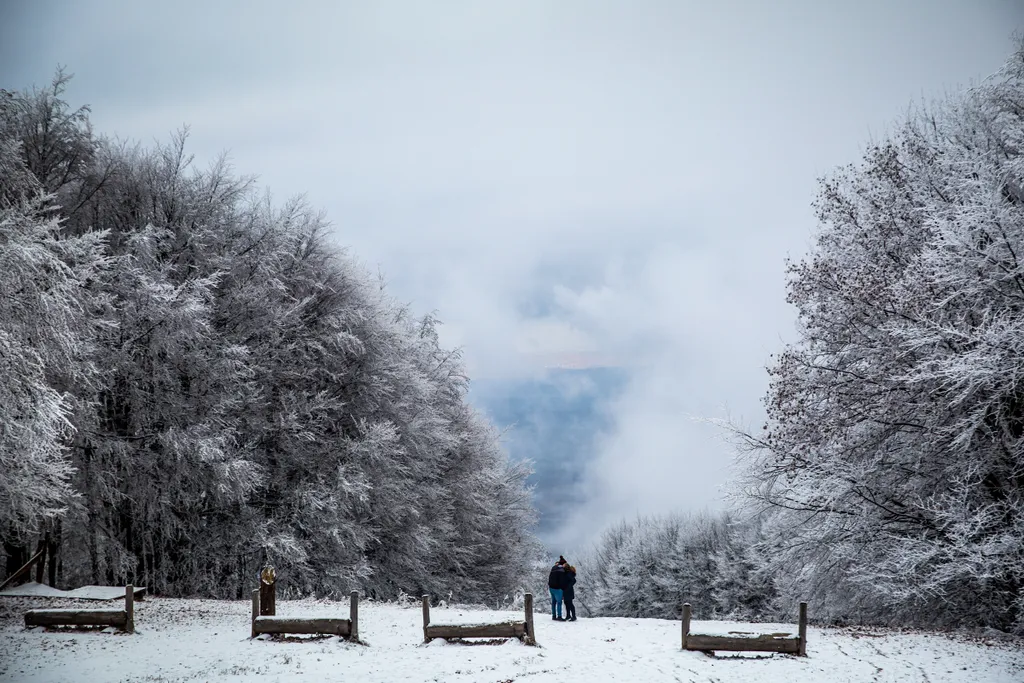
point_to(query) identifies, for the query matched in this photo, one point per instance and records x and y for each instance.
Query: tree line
(194, 381)
(650, 566)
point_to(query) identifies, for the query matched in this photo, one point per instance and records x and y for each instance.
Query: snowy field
(207, 640)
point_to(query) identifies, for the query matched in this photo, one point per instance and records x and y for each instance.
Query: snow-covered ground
(207, 640)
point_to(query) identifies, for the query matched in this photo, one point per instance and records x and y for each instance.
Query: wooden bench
(738, 642)
(523, 630)
(271, 623)
(123, 619)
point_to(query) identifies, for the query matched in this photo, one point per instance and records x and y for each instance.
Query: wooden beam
(686, 622)
(531, 636)
(426, 617)
(268, 592)
(353, 612)
(129, 608)
(76, 617)
(336, 627)
(802, 634)
(507, 630)
(24, 568)
(695, 641)
(255, 610)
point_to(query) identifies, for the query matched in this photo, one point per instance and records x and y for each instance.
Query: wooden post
(686, 622)
(268, 592)
(353, 616)
(129, 608)
(531, 637)
(803, 629)
(426, 617)
(41, 564)
(255, 610)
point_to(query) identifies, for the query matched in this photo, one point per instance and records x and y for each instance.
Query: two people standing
(561, 580)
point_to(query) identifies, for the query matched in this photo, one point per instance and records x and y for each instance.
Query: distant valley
(556, 422)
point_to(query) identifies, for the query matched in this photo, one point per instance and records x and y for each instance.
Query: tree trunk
(91, 513)
(42, 546)
(51, 552)
(17, 556)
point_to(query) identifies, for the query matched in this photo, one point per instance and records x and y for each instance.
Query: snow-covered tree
(893, 458)
(254, 396)
(45, 345)
(651, 566)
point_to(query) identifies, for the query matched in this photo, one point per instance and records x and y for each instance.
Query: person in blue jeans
(556, 582)
(568, 592)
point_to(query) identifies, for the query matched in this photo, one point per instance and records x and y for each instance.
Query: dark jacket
(556, 579)
(568, 581)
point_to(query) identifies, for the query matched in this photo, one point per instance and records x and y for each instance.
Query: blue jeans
(556, 602)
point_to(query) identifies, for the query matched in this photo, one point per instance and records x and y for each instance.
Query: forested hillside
(195, 381)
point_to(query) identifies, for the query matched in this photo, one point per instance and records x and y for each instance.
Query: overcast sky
(565, 183)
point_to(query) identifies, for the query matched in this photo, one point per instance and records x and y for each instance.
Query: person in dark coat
(556, 581)
(569, 592)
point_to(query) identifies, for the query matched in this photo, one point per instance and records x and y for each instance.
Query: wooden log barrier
(766, 642)
(763, 643)
(123, 619)
(523, 630)
(274, 624)
(511, 629)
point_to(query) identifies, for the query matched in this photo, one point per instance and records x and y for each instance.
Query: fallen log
(305, 625)
(77, 617)
(696, 641)
(506, 630)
